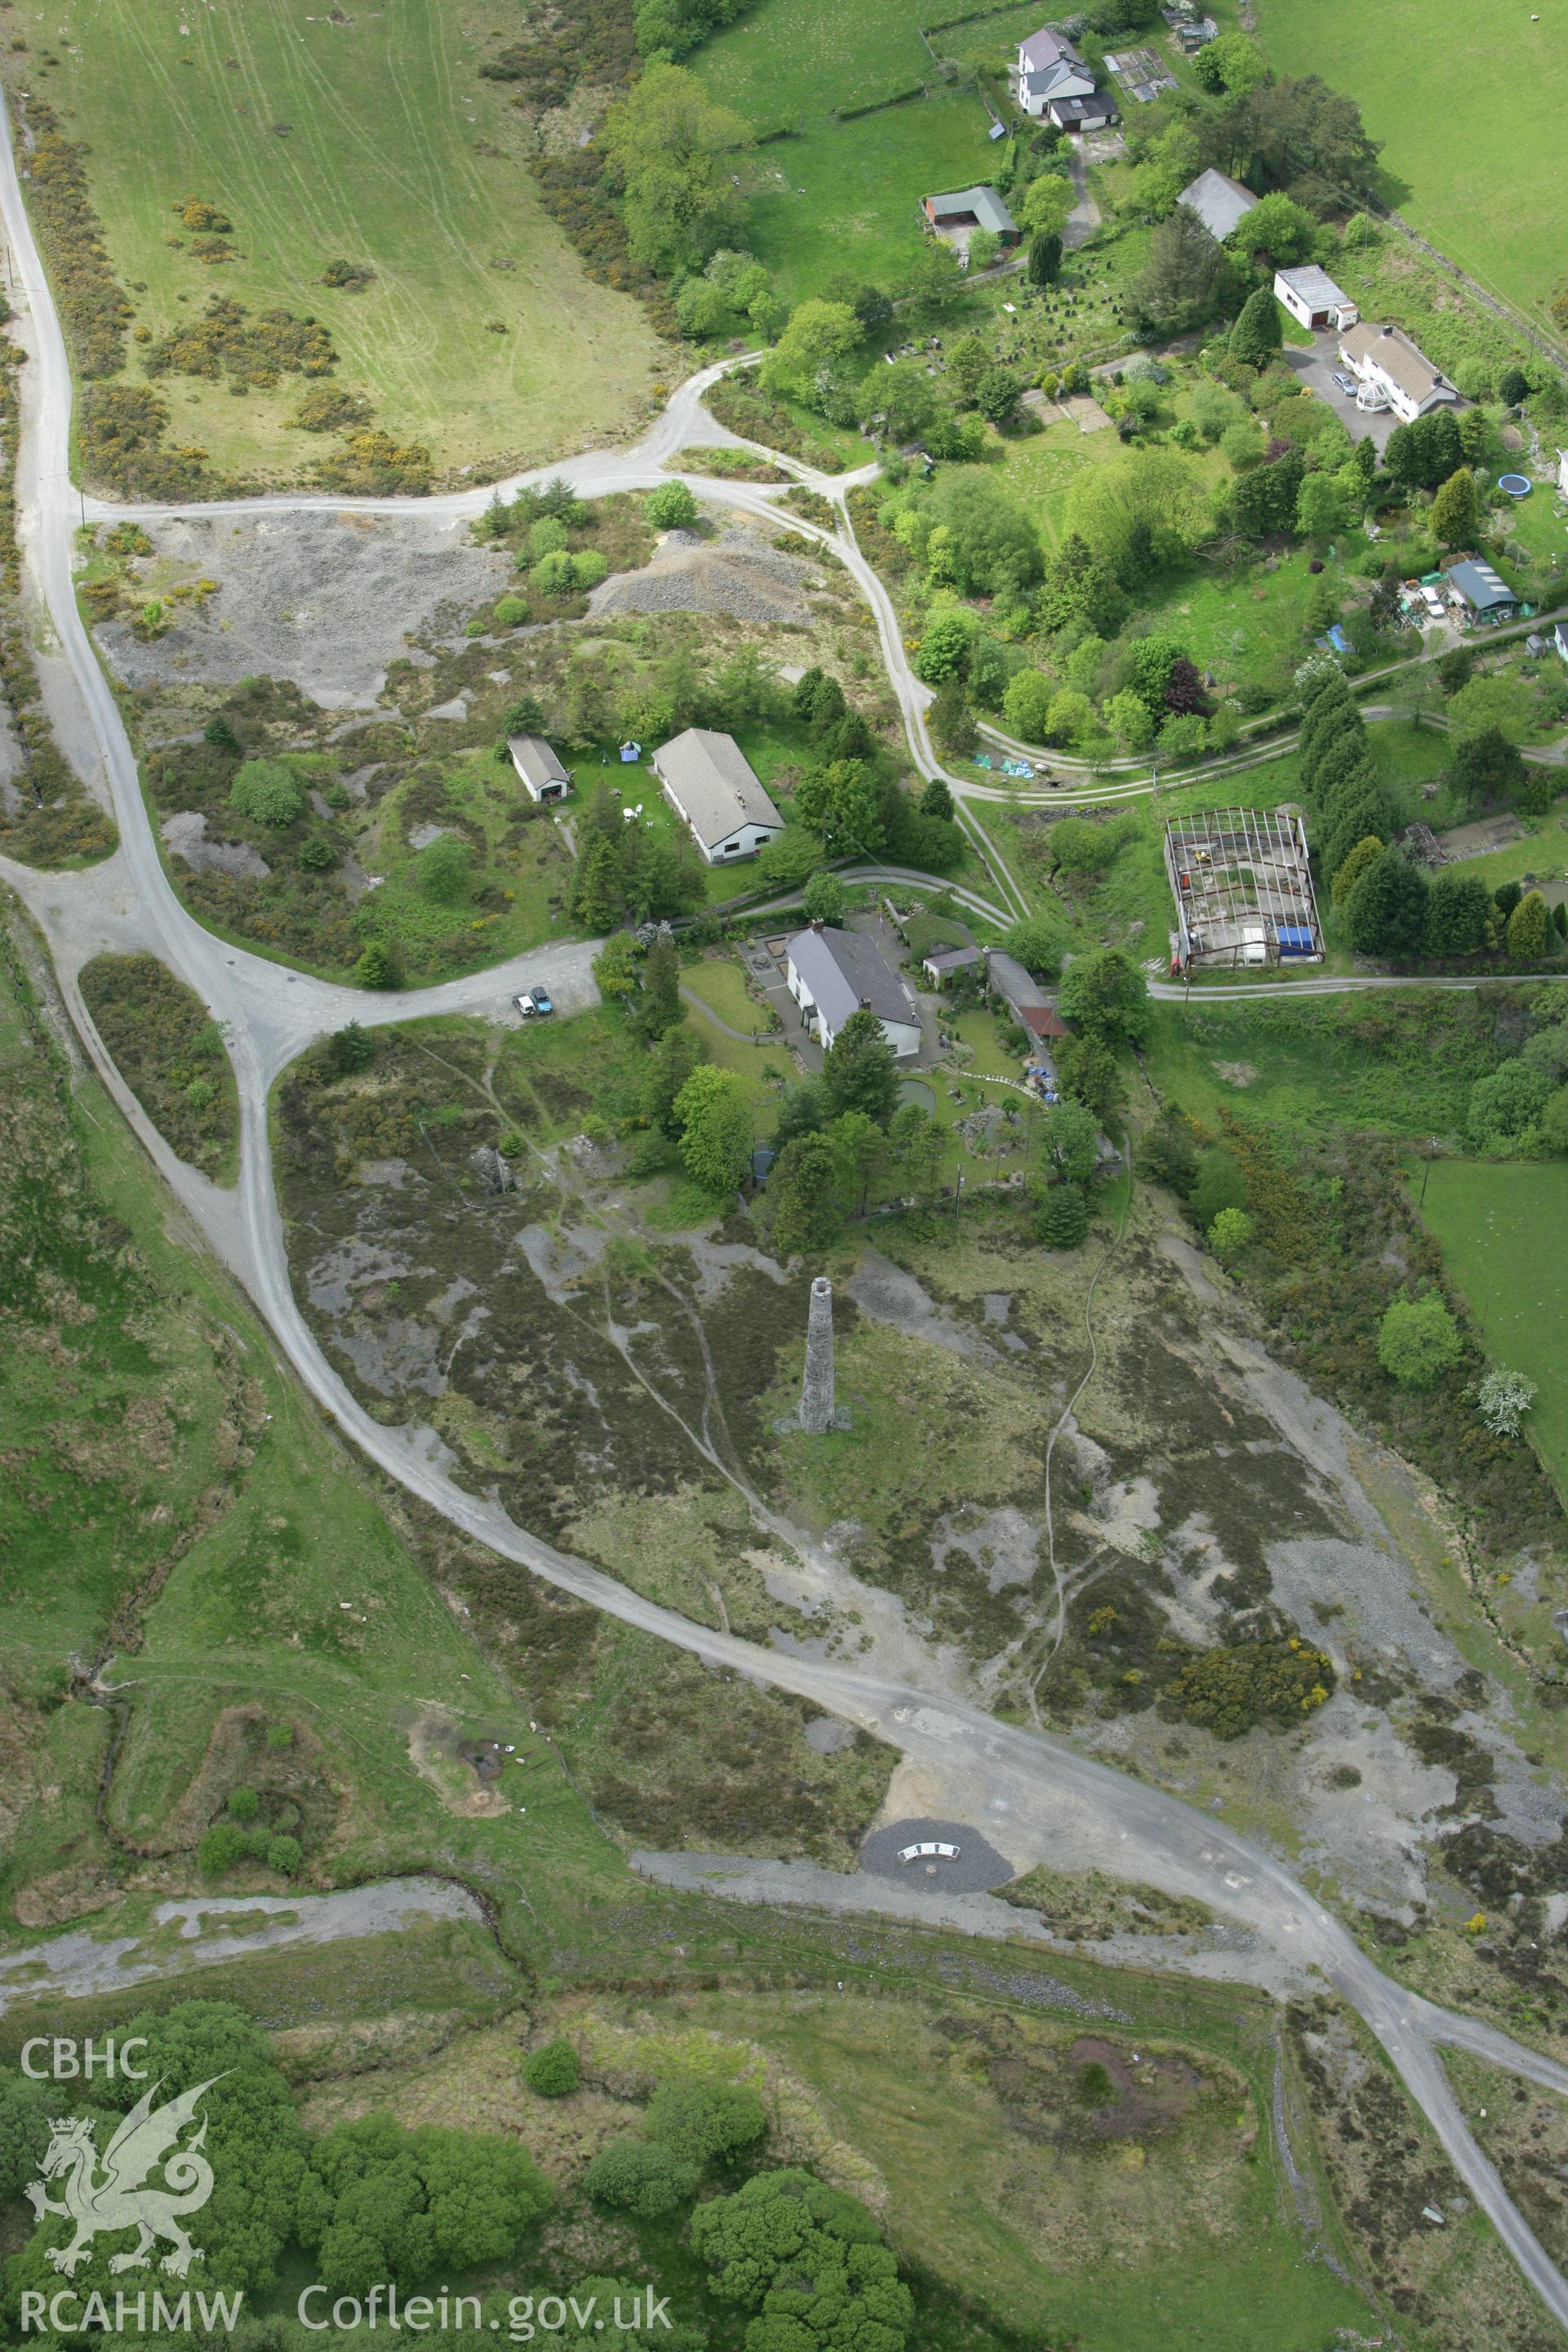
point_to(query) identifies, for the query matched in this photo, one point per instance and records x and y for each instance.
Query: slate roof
(1044, 81)
(1402, 361)
(1218, 200)
(840, 968)
(1046, 48)
(715, 784)
(982, 200)
(1481, 586)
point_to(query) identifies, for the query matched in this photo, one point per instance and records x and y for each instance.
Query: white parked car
(1435, 604)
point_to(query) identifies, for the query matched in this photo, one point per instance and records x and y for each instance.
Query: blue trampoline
(1517, 485)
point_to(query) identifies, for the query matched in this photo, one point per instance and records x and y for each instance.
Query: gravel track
(1143, 1832)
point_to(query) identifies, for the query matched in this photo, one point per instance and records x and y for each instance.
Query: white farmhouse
(1313, 299)
(832, 973)
(1391, 372)
(1054, 80)
(714, 790)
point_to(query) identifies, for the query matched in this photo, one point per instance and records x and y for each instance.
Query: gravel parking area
(1317, 368)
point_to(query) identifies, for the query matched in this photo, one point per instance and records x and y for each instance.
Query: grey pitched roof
(1315, 288)
(982, 200)
(534, 759)
(950, 958)
(715, 784)
(1218, 200)
(842, 969)
(1481, 586)
(1402, 361)
(1009, 975)
(1066, 73)
(1044, 48)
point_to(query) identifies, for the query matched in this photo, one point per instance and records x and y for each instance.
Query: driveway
(1316, 368)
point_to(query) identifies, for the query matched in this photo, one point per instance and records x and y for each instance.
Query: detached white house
(537, 766)
(715, 792)
(1391, 372)
(1054, 80)
(832, 973)
(1313, 299)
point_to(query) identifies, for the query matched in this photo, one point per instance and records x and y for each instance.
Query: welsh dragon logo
(108, 2192)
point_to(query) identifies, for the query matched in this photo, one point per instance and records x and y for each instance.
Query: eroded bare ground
(1428, 2249)
(622, 1390)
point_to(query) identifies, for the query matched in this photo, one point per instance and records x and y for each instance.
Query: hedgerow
(93, 310)
(55, 821)
(370, 463)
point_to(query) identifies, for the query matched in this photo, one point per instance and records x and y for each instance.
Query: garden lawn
(1541, 851)
(366, 135)
(638, 785)
(1250, 624)
(1500, 1226)
(845, 195)
(1492, 189)
(721, 985)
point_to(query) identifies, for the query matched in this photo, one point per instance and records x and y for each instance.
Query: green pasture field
(845, 195)
(1403, 1066)
(1492, 191)
(396, 154)
(1500, 1226)
(786, 60)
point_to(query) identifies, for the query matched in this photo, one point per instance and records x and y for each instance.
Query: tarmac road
(267, 1013)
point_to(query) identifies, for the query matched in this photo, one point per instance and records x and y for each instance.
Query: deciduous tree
(715, 1114)
(674, 150)
(1418, 1341)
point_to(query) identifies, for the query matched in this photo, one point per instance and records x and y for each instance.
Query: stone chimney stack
(817, 1406)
